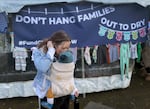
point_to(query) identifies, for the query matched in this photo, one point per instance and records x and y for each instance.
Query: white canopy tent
(86, 85)
(13, 6)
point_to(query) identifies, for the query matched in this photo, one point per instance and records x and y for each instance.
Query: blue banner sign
(87, 23)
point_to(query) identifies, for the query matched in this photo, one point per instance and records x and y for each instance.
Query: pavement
(136, 96)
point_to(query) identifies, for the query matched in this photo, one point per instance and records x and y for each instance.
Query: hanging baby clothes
(20, 55)
(102, 55)
(139, 50)
(87, 55)
(148, 36)
(32, 49)
(74, 52)
(94, 53)
(133, 50)
(113, 51)
(124, 59)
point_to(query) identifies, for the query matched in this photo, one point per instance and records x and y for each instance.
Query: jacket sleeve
(43, 61)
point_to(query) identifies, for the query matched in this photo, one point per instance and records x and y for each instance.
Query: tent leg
(39, 103)
(83, 67)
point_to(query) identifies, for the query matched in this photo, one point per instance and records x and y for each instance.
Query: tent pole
(83, 67)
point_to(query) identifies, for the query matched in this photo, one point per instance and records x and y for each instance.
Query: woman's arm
(42, 61)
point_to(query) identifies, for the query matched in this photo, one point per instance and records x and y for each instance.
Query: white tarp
(13, 6)
(84, 85)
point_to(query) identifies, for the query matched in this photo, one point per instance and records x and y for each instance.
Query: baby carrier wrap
(62, 80)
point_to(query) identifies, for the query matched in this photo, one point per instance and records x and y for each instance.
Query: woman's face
(62, 47)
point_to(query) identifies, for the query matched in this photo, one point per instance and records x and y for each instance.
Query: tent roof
(13, 6)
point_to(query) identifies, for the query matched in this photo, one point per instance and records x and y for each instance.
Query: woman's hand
(50, 44)
(76, 93)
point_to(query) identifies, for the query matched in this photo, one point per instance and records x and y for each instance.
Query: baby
(62, 79)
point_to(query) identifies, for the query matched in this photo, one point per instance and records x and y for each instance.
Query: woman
(47, 52)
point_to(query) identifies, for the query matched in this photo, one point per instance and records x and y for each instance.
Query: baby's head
(66, 57)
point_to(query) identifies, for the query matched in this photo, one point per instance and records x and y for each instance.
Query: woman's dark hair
(57, 38)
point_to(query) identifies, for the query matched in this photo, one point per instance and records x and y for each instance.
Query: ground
(136, 96)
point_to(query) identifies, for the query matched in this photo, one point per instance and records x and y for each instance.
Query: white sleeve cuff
(51, 52)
